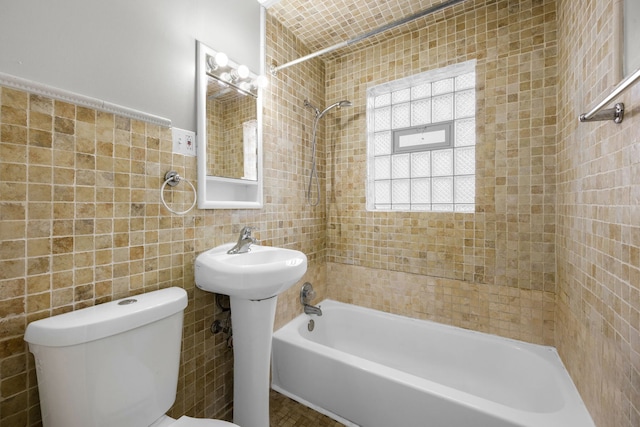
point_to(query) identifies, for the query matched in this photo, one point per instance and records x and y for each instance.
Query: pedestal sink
(253, 281)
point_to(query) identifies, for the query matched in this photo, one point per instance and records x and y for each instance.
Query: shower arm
(274, 69)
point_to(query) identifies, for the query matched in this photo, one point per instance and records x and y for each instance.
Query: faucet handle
(307, 294)
(245, 233)
(246, 230)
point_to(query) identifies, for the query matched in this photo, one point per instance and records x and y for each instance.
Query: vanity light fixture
(227, 72)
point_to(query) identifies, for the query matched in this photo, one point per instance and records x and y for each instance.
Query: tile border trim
(30, 86)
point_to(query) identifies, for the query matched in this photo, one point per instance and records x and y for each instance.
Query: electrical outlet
(184, 141)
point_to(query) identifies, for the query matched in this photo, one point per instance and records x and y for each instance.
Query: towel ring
(172, 178)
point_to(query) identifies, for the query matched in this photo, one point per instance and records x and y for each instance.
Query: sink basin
(261, 273)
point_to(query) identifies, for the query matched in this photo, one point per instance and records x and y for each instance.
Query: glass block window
(421, 142)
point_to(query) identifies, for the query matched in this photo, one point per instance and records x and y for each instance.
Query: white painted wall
(136, 53)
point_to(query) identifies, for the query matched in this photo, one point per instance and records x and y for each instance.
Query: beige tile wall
(500, 310)
(287, 152)
(598, 242)
(81, 223)
(509, 241)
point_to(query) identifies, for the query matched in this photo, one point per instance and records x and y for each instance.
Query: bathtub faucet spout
(310, 309)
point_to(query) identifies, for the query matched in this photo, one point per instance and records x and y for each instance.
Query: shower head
(338, 104)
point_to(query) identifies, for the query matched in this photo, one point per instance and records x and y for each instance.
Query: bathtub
(367, 368)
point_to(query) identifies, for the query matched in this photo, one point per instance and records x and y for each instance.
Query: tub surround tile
(492, 270)
(509, 240)
(526, 315)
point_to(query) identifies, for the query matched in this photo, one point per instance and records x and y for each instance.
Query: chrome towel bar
(617, 112)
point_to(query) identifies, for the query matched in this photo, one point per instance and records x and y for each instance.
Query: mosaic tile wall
(501, 310)
(598, 244)
(81, 223)
(287, 132)
(509, 240)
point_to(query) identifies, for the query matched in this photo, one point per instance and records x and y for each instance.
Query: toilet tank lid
(103, 320)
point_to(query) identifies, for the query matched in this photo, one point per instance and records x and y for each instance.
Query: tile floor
(287, 413)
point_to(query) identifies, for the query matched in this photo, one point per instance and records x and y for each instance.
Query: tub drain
(310, 325)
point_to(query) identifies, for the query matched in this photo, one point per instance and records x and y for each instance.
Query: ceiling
(323, 23)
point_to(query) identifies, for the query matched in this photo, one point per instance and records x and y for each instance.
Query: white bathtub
(368, 368)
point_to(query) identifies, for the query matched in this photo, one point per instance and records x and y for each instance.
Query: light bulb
(226, 77)
(211, 63)
(221, 59)
(243, 71)
(261, 82)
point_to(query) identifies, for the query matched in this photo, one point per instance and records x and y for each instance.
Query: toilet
(114, 364)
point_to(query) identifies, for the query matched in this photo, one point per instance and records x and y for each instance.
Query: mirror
(229, 112)
(232, 126)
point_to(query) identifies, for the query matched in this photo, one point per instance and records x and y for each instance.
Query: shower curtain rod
(617, 112)
(274, 69)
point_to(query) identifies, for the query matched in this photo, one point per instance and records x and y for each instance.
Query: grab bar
(617, 112)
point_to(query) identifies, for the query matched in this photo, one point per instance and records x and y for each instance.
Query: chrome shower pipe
(433, 9)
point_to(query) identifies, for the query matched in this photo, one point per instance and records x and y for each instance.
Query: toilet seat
(185, 421)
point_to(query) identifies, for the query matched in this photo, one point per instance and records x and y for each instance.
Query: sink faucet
(245, 240)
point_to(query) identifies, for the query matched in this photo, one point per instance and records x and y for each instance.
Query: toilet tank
(114, 364)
